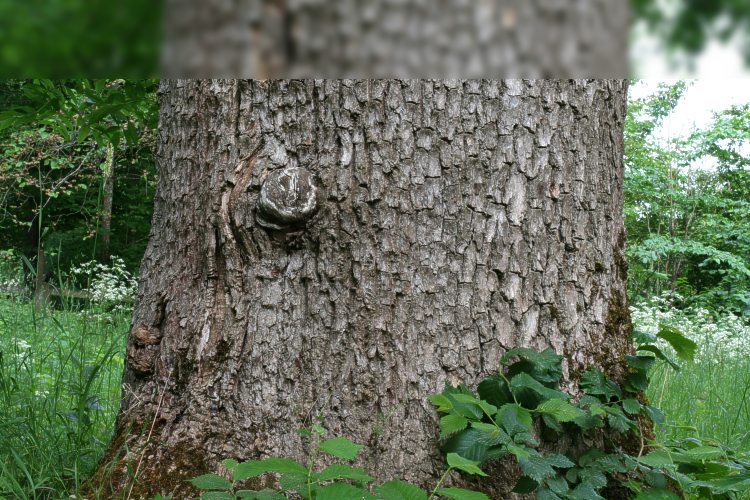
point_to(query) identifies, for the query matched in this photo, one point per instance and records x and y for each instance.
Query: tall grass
(60, 374)
(710, 396)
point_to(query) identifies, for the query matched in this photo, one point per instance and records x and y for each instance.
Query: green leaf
(451, 424)
(525, 485)
(342, 491)
(265, 494)
(560, 409)
(545, 366)
(211, 482)
(293, 482)
(617, 419)
(468, 409)
(442, 402)
(631, 406)
(230, 464)
(462, 494)
(683, 346)
(341, 471)
(400, 490)
(253, 468)
(514, 419)
(536, 468)
(641, 363)
(657, 459)
(217, 495)
(525, 381)
(700, 454)
(656, 494)
(494, 389)
(470, 443)
(595, 383)
(341, 447)
(456, 461)
(659, 354)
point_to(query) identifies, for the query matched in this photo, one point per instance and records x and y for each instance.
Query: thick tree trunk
(441, 223)
(438, 38)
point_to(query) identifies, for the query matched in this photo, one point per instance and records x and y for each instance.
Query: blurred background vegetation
(64, 38)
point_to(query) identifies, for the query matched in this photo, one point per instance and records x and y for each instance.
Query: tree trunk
(344, 248)
(282, 38)
(108, 191)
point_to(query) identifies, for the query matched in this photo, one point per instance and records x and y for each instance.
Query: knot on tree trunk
(288, 199)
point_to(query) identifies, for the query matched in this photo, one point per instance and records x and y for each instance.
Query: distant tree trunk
(344, 248)
(41, 287)
(108, 191)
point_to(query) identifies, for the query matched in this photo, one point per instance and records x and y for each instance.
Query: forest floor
(60, 372)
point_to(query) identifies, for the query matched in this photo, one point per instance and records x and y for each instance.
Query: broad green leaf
(265, 494)
(656, 494)
(465, 409)
(217, 495)
(526, 381)
(519, 452)
(254, 468)
(617, 419)
(470, 443)
(211, 482)
(341, 447)
(342, 491)
(659, 354)
(230, 464)
(514, 419)
(560, 409)
(443, 403)
(494, 390)
(595, 383)
(485, 427)
(472, 400)
(631, 406)
(400, 490)
(461, 494)
(642, 363)
(683, 346)
(657, 458)
(342, 471)
(699, 454)
(585, 491)
(536, 468)
(458, 462)
(451, 424)
(525, 485)
(545, 366)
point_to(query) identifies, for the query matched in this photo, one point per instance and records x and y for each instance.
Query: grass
(708, 397)
(60, 374)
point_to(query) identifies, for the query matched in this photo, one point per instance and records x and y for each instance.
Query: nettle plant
(338, 481)
(520, 413)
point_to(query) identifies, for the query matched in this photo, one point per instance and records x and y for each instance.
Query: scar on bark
(288, 199)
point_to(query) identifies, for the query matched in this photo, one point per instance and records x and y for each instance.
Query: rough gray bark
(418, 38)
(454, 220)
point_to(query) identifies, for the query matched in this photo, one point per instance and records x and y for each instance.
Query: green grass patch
(60, 375)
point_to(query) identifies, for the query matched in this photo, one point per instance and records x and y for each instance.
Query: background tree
(686, 206)
(344, 248)
(62, 143)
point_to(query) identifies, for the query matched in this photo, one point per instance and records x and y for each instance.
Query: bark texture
(418, 38)
(454, 220)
